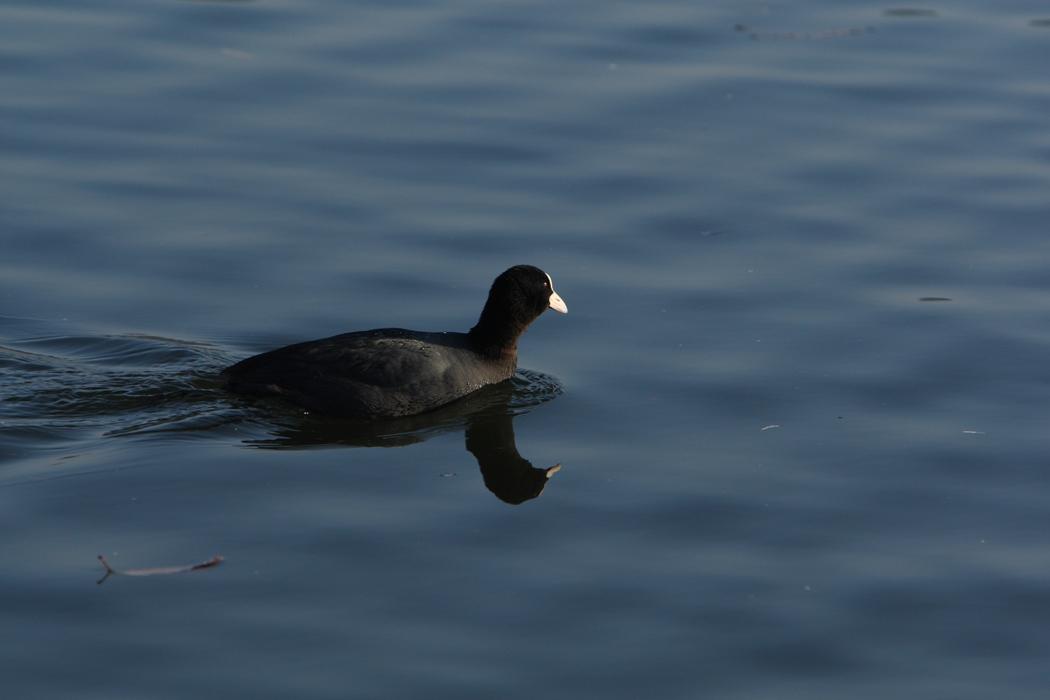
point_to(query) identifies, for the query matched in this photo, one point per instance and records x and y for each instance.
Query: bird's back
(386, 372)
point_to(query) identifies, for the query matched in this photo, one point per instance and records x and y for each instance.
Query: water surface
(799, 401)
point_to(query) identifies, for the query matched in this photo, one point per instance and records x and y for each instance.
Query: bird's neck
(497, 338)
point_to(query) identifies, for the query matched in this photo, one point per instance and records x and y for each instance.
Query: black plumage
(390, 372)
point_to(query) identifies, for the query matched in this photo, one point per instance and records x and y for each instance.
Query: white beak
(557, 304)
(555, 301)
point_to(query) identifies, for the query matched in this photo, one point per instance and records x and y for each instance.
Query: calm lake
(801, 399)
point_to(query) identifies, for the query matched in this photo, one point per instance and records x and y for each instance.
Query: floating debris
(158, 571)
(935, 298)
(974, 432)
(770, 427)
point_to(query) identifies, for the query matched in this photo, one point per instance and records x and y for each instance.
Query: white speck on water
(771, 426)
(974, 432)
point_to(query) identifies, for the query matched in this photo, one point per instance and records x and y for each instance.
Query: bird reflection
(486, 417)
(508, 475)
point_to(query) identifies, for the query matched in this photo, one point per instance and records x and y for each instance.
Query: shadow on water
(486, 418)
(58, 389)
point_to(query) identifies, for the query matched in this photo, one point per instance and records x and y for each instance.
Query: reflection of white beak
(557, 304)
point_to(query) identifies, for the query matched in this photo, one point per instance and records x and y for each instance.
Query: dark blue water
(800, 400)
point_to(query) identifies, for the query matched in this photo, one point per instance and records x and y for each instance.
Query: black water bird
(391, 372)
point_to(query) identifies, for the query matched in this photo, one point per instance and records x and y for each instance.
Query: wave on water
(293, 428)
(55, 388)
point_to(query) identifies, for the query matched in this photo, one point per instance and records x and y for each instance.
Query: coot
(390, 372)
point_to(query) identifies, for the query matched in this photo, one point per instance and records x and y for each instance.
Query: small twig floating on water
(158, 571)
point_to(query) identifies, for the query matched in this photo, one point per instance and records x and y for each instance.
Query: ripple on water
(909, 12)
(131, 350)
(57, 388)
(280, 425)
